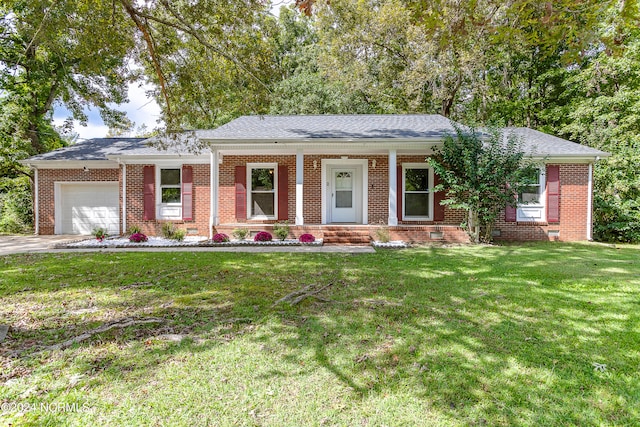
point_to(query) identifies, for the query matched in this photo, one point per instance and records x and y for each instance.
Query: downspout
(36, 202)
(590, 202)
(124, 196)
(212, 158)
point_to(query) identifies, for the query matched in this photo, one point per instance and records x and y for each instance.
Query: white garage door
(83, 207)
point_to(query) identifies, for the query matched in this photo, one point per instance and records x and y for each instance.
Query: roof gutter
(320, 141)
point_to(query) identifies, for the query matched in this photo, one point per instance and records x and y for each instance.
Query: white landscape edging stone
(395, 244)
(189, 241)
(287, 242)
(123, 242)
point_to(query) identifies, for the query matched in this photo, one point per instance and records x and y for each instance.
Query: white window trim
(406, 166)
(159, 204)
(250, 168)
(524, 211)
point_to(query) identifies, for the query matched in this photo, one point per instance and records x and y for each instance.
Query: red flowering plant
(306, 238)
(138, 237)
(263, 236)
(220, 238)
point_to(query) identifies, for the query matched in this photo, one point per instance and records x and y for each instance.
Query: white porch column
(393, 185)
(299, 186)
(213, 192)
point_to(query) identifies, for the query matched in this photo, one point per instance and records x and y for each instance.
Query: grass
(541, 334)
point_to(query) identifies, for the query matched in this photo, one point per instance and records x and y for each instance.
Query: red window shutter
(510, 214)
(283, 192)
(241, 193)
(149, 177)
(553, 193)
(399, 197)
(187, 193)
(438, 209)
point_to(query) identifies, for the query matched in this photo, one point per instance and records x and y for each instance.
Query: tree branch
(187, 28)
(135, 16)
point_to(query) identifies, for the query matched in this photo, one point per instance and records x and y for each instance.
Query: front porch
(358, 234)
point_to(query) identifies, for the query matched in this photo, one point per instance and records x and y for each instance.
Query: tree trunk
(474, 227)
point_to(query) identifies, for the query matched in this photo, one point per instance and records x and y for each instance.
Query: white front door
(343, 195)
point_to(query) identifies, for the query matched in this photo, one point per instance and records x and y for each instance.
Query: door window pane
(344, 199)
(344, 181)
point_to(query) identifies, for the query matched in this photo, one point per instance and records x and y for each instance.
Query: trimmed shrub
(383, 234)
(179, 234)
(281, 230)
(138, 237)
(170, 231)
(220, 238)
(306, 238)
(263, 236)
(240, 233)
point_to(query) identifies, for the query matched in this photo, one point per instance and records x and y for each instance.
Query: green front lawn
(544, 334)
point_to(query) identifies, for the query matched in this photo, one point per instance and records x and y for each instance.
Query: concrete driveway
(12, 244)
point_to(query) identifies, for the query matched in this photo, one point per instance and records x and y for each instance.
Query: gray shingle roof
(93, 149)
(540, 143)
(301, 128)
(100, 148)
(369, 126)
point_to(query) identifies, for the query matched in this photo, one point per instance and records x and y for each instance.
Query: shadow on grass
(492, 335)
(512, 334)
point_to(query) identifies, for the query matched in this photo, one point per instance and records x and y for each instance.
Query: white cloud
(140, 109)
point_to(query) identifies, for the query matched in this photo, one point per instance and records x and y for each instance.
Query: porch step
(347, 236)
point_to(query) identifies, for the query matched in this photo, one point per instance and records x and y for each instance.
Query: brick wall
(201, 202)
(48, 177)
(572, 226)
(573, 197)
(227, 194)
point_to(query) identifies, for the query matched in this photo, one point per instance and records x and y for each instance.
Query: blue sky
(140, 109)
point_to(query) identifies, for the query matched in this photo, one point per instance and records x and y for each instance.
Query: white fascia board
(325, 146)
(306, 142)
(157, 159)
(70, 164)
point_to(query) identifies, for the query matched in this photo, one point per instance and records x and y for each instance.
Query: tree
(209, 60)
(302, 87)
(481, 173)
(71, 54)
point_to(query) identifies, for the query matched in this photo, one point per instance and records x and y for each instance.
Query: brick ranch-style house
(335, 176)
